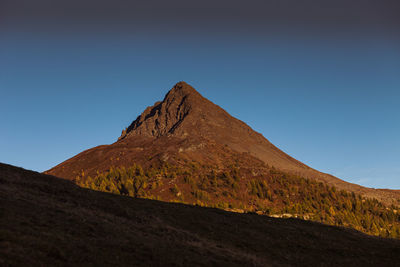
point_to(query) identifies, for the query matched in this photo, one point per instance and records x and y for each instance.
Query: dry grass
(46, 221)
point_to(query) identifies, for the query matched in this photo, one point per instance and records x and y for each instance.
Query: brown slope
(187, 122)
(45, 221)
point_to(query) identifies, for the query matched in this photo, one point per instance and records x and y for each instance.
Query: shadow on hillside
(50, 221)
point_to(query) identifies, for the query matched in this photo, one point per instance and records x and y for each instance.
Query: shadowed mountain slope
(45, 221)
(187, 126)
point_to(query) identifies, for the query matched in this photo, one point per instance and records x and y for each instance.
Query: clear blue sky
(328, 98)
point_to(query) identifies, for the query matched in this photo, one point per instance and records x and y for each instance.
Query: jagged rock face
(182, 112)
(165, 117)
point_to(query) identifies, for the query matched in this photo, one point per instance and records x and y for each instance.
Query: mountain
(46, 221)
(185, 126)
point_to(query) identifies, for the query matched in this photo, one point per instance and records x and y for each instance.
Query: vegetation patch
(273, 193)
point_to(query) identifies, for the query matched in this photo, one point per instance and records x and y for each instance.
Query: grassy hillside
(46, 221)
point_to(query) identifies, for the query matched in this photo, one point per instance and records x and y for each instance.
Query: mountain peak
(183, 88)
(184, 127)
(165, 116)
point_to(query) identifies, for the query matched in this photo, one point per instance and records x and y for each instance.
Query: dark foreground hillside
(49, 221)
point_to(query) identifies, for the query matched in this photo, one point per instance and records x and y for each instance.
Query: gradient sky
(319, 79)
